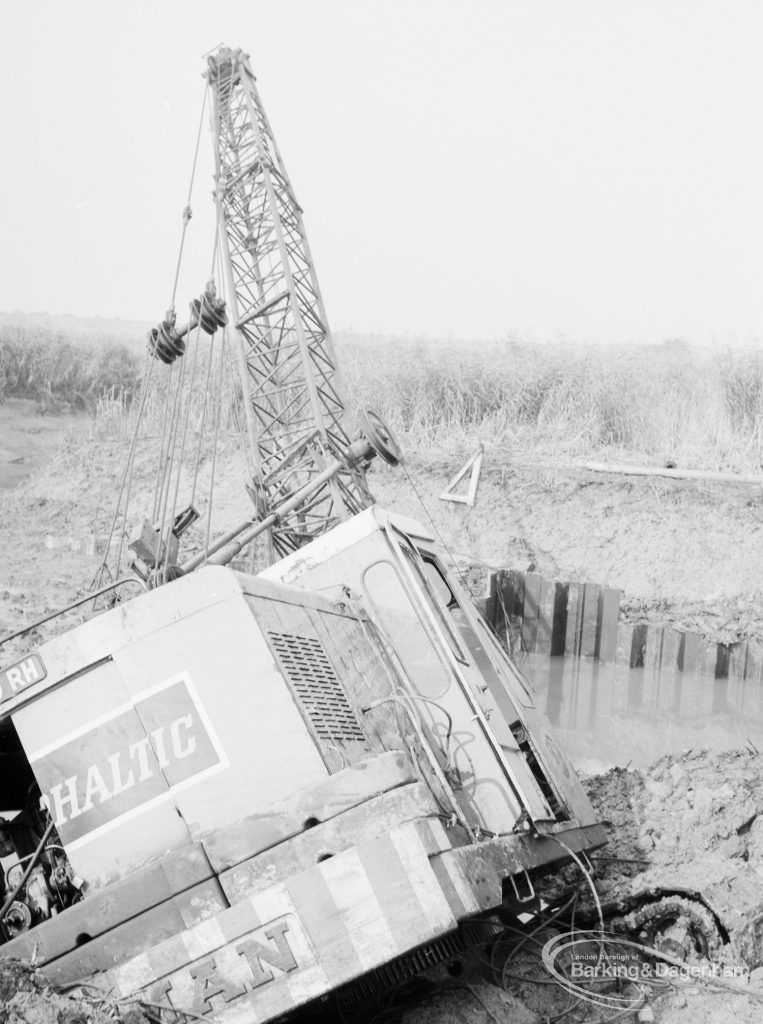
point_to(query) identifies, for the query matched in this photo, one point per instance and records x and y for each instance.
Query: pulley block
(380, 437)
(165, 342)
(209, 312)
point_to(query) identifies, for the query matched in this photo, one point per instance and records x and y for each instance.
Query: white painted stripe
(360, 910)
(272, 903)
(243, 1011)
(80, 731)
(203, 938)
(438, 839)
(460, 884)
(108, 826)
(143, 808)
(308, 983)
(134, 975)
(437, 912)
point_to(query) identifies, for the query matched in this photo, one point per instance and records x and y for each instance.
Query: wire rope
(131, 466)
(203, 418)
(147, 369)
(179, 468)
(170, 452)
(214, 442)
(187, 209)
(459, 572)
(160, 465)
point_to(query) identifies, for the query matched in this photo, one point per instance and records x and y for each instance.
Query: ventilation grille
(312, 675)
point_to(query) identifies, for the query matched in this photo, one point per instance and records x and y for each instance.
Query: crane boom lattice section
(295, 413)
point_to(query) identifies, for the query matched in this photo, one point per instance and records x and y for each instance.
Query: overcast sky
(593, 167)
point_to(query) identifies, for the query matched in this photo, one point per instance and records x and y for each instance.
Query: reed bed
(663, 403)
(669, 402)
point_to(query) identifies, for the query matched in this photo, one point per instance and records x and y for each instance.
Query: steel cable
(187, 209)
(127, 474)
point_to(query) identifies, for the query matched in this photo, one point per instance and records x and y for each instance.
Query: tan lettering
(208, 983)
(119, 786)
(141, 748)
(95, 786)
(256, 953)
(30, 670)
(180, 749)
(159, 749)
(60, 801)
(14, 678)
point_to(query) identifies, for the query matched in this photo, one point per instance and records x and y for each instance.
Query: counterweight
(293, 401)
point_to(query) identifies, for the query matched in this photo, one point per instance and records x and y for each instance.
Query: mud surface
(684, 553)
(696, 820)
(681, 552)
(26, 998)
(692, 822)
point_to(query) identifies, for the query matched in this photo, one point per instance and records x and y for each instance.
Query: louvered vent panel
(312, 675)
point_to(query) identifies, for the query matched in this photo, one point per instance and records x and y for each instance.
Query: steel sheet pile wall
(540, 616)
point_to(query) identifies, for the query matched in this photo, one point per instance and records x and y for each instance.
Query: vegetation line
(668, 403)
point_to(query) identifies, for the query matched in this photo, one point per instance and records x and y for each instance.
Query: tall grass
(666, 402)
(699, 408)
(63, 373)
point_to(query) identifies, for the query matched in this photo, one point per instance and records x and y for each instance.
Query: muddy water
(606, 715)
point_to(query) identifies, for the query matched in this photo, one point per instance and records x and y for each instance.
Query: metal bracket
(530, 891)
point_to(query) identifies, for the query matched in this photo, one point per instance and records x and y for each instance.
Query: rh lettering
(23, 674)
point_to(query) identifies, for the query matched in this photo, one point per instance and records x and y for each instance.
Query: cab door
(484, 763)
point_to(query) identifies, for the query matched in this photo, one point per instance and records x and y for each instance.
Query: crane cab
(239, 794)
(476, 709)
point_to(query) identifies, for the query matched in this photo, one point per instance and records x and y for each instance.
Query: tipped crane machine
(245, 795)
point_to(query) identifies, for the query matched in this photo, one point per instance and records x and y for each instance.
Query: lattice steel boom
(294, 408)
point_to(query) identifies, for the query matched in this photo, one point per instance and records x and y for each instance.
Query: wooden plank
(589, 644)
(609, 616)
(559, 624)
(546, 605)
(302, 852)
(653, 649)
(530, 611)
(690, 655)
(574, 619)
(737, 660)
(754, 662)
(318, 803)
(722, 659)
(673, 474)
(490, 607)
(516, 581)
(671, 643)
(708, 659)
(638, 645)
(624, 644)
